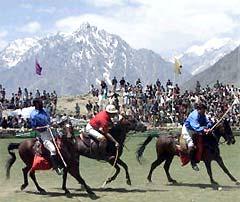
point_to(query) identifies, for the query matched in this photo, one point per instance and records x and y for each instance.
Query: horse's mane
(118, 132)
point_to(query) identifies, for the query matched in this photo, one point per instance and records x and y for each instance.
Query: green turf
(192, 187)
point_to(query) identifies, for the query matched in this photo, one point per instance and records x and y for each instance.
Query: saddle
(182, 149)
(40, 150)
(92, 144)
(87, 139)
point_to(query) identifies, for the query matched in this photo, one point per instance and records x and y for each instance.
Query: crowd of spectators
(157, 104)
(22, 98)
(160, 104)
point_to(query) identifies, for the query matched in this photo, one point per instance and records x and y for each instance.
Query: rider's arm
(193, 121)
(111, 138)
(105, 130)
(209, 123)
(33, 122)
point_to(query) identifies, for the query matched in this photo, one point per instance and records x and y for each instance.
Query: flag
(38, 68)
(177, 66)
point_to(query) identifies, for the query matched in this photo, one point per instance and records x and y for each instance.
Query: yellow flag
(177, 66)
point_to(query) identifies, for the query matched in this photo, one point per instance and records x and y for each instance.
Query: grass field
(192, 187)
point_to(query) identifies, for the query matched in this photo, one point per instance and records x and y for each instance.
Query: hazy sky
(165, 26)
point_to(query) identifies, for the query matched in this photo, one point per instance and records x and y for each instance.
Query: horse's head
(68, 129)
(224, 129)
(133, 124)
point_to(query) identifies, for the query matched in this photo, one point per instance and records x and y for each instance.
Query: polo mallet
(55, 144)
(236, 101)
(115, 161)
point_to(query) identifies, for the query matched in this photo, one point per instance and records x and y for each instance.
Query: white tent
(25, 112)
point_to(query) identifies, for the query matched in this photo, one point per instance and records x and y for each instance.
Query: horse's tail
(12, 158)
(141, 148)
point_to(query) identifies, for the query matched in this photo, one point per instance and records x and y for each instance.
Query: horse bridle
(224, 141)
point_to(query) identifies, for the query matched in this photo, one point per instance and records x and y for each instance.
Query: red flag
(38, 68)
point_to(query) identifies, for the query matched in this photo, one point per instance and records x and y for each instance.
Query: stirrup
(195, 167)
(59, 171)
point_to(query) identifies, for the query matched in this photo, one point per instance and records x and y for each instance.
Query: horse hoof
(237, 183)
(23, 186)
(173, 181)
(93, 196)
(42, 191)
(214, 183)
(66, 191)
(68, 194)
(129, 182)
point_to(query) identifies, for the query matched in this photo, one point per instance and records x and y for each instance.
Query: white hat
(111, 109)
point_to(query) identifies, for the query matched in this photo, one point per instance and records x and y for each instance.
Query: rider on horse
(98, 127)
(196, 123)
(40, 120)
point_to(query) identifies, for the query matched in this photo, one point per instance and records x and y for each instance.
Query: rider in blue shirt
(40, 120)
(196, 123)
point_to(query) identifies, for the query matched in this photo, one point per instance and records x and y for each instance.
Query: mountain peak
(13, 53)
(86, 27)
(197, 58)
(85, 57)
(210, 45)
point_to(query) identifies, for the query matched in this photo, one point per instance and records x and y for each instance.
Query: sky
(167, 27)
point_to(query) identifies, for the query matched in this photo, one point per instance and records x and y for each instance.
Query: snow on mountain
(14, 52)
(199, 57)
(72, 62)
(226, 70)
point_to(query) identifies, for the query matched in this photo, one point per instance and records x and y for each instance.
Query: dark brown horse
(90, 148)
(27, 153)
(166, 148)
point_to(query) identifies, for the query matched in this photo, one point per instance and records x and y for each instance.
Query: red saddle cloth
(184, 158)
(40, 162)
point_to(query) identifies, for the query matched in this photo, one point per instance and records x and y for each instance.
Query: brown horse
(90, 148)
(166, 148)
(67, 149)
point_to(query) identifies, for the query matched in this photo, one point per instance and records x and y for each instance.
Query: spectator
(114, 84)
(122, 83)
(77, 110)
(89, 107)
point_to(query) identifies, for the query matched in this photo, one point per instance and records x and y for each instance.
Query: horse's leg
(110, 179)
(64, 182)
(34, 179)
(209, 171)
(166, 168)
(25, 177)
(222, 165)
(153, 166)
(74, 171)
(124, 165)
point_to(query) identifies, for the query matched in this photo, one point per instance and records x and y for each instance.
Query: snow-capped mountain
(226, 70)
(72, 62)
(199, 57)
(14, 52)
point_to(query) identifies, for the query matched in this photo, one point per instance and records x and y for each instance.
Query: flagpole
(174, 80)
(177, 67)
(174, 77)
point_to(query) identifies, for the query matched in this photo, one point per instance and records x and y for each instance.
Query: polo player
(98, 127)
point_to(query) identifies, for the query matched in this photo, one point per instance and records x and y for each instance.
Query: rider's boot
(55, 164)
(192, 158)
